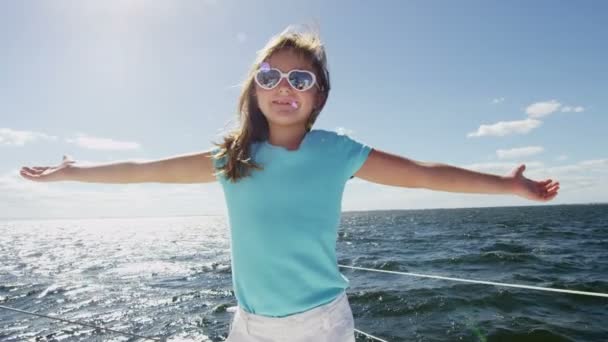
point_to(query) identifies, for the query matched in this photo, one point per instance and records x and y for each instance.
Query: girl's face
(283, 105)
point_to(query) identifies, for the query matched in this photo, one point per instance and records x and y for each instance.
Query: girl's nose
(284, 84)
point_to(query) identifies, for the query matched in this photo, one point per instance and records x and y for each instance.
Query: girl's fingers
(33, 176)
(550, 196)
(33, 171)
(41, 169)
(40, 173)
(548, 191)
(548, 185)
(25, 174)
(36, 169)
(545, 182)
(30, 170)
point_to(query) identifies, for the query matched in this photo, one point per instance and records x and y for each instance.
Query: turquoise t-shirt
(284, 220)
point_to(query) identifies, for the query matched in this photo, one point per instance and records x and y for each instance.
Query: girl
(283, 185)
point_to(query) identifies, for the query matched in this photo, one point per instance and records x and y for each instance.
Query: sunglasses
(300, 80)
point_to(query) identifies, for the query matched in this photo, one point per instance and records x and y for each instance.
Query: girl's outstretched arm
(187, 168)
(389, 169)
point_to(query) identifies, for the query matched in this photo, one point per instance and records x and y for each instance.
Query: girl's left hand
(544, 190)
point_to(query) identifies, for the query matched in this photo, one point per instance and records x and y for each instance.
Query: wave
(534, 335)
(486, 258)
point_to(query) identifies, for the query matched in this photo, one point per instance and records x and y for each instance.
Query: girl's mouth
(286, 103)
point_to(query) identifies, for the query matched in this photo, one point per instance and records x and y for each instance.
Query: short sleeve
(355, 154)
(217, 163)
(214, 151)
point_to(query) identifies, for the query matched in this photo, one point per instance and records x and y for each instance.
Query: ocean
(171, 276)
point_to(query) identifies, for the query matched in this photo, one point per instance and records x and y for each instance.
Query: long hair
(253, 126)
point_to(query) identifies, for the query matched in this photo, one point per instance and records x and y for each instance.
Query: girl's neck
(287, 138)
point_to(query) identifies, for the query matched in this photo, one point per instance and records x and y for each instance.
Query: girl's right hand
(47, 173)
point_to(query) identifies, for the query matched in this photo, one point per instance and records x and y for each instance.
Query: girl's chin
(285, 111)
(284, 118)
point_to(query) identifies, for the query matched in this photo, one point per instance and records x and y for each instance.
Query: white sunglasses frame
(286, 76)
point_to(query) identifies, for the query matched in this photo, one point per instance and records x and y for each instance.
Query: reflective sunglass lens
(268, 78)
(300, 80)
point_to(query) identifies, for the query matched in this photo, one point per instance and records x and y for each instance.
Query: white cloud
(562, 157)
(503, 128)
(540, 109)
(592, 172)
(109, 10)
(581, 182)
(19, 138)
(498, 100)
(520, 152)
(344, 131)
(95, 143)
(584, 167)
(22, 198)
(588, 179)
(502, 168)
(576, 109)
(11, 183)
(595, 164)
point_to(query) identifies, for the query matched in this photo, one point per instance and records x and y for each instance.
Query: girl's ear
(320, 100)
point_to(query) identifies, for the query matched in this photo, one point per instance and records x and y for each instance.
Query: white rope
(85, 324)
(126, 333)
(370, 336)
(586, 293)
(597, 294)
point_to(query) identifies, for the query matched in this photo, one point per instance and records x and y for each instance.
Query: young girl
(283, 184)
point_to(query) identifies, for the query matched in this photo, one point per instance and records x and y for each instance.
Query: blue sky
(476, 84)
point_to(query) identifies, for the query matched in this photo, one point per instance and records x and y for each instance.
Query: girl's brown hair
(253, 126)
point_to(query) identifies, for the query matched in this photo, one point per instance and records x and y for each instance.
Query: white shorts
(331, 322)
